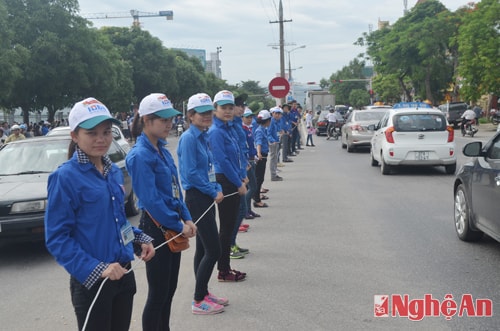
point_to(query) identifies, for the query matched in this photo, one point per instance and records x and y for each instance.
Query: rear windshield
(369, 115)
(419, 122)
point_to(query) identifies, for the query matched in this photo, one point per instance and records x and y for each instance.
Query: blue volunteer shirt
(239, 135)
(285, 122)
(272, 131)
(226, 151)
(84, 216)
(155, 182)
(261, 139)
(195, 162)
(252, 152)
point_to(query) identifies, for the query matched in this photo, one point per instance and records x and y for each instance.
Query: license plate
(421, 155)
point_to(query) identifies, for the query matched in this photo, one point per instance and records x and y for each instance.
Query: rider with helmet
(331, 117)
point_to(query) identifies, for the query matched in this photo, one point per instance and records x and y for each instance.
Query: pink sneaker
(206, 307)
(216, 299)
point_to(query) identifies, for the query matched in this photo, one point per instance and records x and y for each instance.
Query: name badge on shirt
(211, 174)
(175, 190)
(127, 233)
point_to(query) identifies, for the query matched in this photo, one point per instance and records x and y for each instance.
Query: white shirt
(309, 118)
(331, 117)
(469, 114)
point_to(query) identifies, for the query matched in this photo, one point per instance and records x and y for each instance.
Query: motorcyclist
(332, 121)
(468, 118)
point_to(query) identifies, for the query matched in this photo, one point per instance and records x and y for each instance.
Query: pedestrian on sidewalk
(311, 130)
(286, 135)
(197, 174)
(248, 117)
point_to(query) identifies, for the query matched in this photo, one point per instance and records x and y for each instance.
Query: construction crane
(168, 14)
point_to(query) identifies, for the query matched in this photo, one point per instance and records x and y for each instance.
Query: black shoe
(287, 160)
(313, 145)
(277, 179)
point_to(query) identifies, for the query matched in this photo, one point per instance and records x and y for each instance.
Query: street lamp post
(290, 66)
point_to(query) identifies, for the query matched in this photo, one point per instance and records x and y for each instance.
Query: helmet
(15, 127)
(23, 126)
(350, 108)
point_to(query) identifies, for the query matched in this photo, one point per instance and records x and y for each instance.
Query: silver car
(355, 132)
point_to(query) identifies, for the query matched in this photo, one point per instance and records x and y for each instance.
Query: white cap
(264, 115)
(276, 110)
(248, 112)
(224, 97)
(88, 114)
(158, 104)
(15, 127)
(200, 102)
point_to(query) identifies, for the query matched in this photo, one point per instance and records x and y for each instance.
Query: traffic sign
(279, 87)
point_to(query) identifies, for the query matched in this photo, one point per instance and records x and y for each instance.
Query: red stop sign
(279, 87)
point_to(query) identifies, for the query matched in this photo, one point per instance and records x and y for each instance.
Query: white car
(413, 136)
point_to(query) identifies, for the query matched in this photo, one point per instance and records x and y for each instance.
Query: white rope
(156, 248)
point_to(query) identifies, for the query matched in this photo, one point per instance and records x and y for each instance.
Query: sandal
(264, 190)
(260, 205)
(264, 197)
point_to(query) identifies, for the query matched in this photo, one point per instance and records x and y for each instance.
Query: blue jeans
(113, 308)
(162, 273)
(207, 240)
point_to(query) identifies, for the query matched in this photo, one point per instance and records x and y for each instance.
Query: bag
(176, 245)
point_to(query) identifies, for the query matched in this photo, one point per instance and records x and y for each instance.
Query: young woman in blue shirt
(197, 173)
(85, 224)
(262, 147)
(156, 184)
(227, 163)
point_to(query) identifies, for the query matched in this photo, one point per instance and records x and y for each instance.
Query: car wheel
(131, 207)
(462, 217)
(384, 167)
(344, 145)
(374, 162)
(451, 168)
(350, 148)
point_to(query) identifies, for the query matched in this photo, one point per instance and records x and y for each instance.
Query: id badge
(175, 191)
(211, 175)
(127, 233)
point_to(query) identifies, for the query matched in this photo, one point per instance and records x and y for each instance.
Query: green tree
(359, 98)
(340, 85)
(479, 51)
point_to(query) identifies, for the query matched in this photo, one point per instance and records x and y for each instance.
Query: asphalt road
(336, 233)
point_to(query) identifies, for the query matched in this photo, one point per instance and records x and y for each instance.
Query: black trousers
(228, 213)
(260, 172)
(113, 308)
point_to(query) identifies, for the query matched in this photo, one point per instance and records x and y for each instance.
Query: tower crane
(168, 14)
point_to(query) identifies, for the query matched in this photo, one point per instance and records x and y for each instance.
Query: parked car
(23, 183)
(477, 191)
(355, 132)
(117, 135)
(454, 112)
(413, 136)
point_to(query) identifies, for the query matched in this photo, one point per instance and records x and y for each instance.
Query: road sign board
(279, 87)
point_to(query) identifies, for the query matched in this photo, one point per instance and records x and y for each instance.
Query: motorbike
(180, 129)
(333, 132)
(495, 118)
(469, 128)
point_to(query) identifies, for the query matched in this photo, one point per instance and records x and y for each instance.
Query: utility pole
(282, 39)
(282, 44)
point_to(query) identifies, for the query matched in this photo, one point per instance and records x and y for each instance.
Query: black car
(477, 192)
(454, 112)
(26, 166)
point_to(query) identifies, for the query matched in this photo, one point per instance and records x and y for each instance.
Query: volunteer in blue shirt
(262, 147)
(86, 229)
(285, 137)
(198, 180)
(156, 184)
(248, 119)
(274, 142)
(226, 151)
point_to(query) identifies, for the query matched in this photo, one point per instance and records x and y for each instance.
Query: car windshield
(36, 157)
(419, 122)
(369, 116)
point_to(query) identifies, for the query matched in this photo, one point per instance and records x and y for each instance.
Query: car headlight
(28, 206)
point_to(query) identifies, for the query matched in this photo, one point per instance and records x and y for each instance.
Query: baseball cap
(89, 113)
(224, 97)
(276, 110)
(264, 115)
(200, 102)
(248, 112)
(158, 104)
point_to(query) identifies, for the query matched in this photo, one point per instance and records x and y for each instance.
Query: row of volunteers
(222, 160)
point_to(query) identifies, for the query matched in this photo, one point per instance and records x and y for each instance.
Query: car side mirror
(473, 149)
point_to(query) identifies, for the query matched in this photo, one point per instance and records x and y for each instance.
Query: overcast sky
(328, 29)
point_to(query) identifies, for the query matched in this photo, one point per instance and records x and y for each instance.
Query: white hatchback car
(413, 136)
